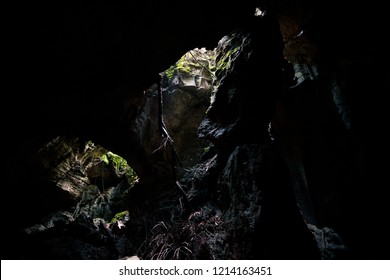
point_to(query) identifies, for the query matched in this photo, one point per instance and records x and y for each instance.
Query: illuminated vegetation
(121, 166)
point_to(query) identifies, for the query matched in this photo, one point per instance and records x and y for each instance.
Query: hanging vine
(174, 157)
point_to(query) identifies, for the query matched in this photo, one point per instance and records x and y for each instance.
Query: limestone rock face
(77, 182)
(240, 174)
(186, 89)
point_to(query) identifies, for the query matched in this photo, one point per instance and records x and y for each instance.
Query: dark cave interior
(83, 70)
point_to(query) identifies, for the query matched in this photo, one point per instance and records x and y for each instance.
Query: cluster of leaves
(195, 237)
(165, 244)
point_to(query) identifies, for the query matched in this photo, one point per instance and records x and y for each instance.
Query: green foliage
(119, 216)
(120, 165)
(105, 159)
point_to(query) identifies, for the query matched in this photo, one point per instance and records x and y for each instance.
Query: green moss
(188, 63)
(182, 65)
(206, 149)
(120, 165)
(224, 62)
(105, 159)
(119, 216)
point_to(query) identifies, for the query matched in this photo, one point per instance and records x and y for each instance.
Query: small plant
(120, 216)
